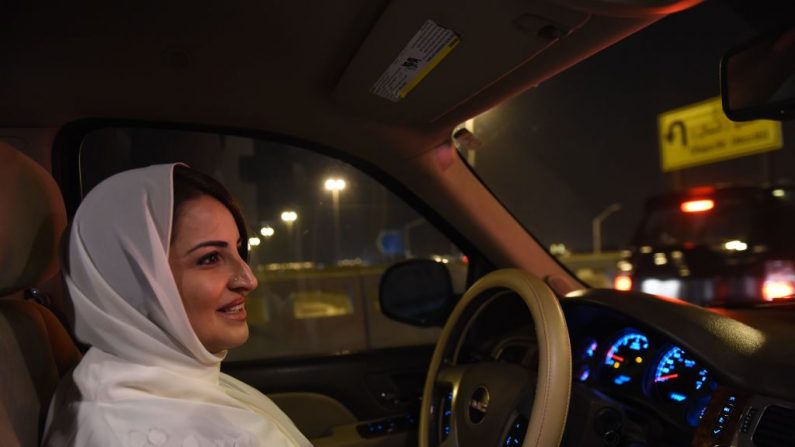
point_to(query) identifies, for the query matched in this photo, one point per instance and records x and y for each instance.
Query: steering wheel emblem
(478, 405)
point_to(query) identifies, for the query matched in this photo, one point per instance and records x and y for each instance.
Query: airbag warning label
(427, 48)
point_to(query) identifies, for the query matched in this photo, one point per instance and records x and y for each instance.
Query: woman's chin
(232, 338)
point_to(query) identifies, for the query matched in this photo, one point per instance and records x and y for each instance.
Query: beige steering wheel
(483, 399)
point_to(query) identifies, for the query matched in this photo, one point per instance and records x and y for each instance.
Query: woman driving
(157, 274)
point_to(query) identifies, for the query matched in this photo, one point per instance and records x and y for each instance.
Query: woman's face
(212, 279)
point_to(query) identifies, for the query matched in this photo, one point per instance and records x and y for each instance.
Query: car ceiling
(299, 68)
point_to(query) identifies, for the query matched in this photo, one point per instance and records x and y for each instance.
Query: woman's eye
(210, 258)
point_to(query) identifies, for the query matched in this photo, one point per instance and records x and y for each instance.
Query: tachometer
(678, 378)
(624, 360)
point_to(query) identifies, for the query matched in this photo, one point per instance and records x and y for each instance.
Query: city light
(735, 245)
(697, 206)
(623, 282)
(334, 184)
(267, 231)
(289, 216)
(253, 241)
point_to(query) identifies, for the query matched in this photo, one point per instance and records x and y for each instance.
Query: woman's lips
(234, 311)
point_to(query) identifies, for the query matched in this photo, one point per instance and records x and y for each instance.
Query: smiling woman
(157, 278)
(208, 259)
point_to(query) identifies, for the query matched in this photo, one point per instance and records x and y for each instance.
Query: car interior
(457, 326)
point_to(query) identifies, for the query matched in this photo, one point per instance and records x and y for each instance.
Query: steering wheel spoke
(450, 375)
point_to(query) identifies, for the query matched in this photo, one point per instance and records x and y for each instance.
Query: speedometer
(623, 362)
(678, 378)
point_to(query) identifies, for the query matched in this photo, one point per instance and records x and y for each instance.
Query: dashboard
(646, 371)
(684, 374)
(636, 366)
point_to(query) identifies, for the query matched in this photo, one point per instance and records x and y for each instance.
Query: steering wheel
(483, 404)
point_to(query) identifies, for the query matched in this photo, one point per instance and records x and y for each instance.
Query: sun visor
(422, 59)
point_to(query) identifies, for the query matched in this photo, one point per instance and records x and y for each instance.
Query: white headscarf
(147, 379)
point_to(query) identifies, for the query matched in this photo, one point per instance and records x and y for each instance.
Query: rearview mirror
(418, 292)
(758, 78)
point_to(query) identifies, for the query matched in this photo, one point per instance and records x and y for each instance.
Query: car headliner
(277, 66)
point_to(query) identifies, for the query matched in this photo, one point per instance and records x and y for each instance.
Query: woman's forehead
(204, 217)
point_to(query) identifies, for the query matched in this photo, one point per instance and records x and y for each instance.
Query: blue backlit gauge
(624, 361)
(588, 349)
(583, 373)
(585, 358)
(678, 378)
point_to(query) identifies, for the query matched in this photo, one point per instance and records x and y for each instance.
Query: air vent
(776, 428)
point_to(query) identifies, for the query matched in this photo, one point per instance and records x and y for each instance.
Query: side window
(321, 234)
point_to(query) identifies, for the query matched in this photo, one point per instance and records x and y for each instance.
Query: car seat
(35, 348)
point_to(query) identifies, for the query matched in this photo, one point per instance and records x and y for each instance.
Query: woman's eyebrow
(220, 244)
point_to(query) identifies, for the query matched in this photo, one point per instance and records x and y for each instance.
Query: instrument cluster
(632, 364)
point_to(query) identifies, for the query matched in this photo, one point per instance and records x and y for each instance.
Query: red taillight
(622, 282)
(779, 280)
(697, 206)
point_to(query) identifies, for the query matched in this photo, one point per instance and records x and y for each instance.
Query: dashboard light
(623, 282)
(638, 359)
(592, 349)
(620, 380)
(677, 397)
(697, 206)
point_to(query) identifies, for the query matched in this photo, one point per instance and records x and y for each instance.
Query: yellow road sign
(701, 133)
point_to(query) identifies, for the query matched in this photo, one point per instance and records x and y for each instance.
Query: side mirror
(758, 78)
(418, 292)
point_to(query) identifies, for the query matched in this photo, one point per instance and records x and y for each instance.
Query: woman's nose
(244, 278)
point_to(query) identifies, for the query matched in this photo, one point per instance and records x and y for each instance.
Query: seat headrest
(32, 219)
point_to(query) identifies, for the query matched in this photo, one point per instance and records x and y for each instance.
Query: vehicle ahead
(715, 246)
(275, 98)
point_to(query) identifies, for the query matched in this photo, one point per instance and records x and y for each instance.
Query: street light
(253, 241)
(335, 185)
(289, 216)
(596, 226)
(267, 231)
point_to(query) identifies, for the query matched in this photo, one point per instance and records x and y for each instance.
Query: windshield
(577, 158)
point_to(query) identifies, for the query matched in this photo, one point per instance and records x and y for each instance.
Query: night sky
(560, 154)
